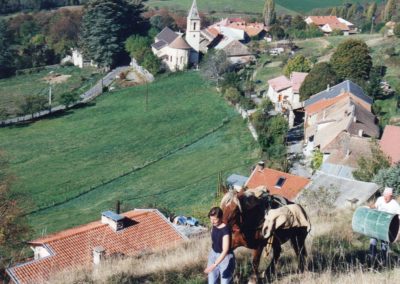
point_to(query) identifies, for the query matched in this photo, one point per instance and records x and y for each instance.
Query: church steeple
(193, 28)
(194, 13)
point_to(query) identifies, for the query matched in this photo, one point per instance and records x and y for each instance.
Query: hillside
(168, 155)
(249, 6)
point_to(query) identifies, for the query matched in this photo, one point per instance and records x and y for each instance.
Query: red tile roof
(390, 143)
(74, 247)
(290, 188)
(324, 103)
(323, 20)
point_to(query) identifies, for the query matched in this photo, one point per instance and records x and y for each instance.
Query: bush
(232, 95)
(246, 103)
(317, 159)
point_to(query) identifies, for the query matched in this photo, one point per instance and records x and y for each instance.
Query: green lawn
(12, 90)
(169, 154)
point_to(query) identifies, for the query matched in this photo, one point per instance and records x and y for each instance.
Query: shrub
(317, 159)
(232, 95)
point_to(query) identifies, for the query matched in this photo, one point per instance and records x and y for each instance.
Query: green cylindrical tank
(376, 224)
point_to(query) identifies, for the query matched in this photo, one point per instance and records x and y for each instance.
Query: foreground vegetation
(336, 255)
(167, 153)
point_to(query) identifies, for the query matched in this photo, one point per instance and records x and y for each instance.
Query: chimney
(328, 87)
(261, 165)
(118, 207)
(360, 132)
(115, 221)
(98, 255)
(355, 119)
(347, 153)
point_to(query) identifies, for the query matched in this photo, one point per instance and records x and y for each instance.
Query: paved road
(89, 95)
(295, 152)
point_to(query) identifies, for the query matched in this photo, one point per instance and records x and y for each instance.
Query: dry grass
(335, 255)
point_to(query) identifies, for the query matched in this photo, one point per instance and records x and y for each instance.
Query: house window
(280, 182)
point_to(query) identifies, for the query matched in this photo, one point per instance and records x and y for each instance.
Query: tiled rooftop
(390, 142)
(290, 187)
(145, 230)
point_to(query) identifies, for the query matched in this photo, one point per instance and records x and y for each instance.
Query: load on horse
(258, 218)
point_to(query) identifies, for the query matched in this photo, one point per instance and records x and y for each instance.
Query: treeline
(12, 6)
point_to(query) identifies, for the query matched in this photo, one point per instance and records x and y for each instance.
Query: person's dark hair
(215, 211)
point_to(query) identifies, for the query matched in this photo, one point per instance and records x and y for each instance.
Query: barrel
(376, 224)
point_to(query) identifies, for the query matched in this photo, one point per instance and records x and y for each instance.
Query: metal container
(376, 224)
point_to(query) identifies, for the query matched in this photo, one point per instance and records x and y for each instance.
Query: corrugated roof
(390, 142)
(145, 230)
(291, 184)
(345, 86)
(236, 180)
(347, 189)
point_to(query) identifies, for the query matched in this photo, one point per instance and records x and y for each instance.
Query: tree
(368, 167)
(396, 30)
(371, 11)
(389, 177)
(6, 57)
(269, 12)
(69, 98)
(317, 80)
(151, 62)
(137, 47)
(14, 230)
(298, 63)
(374, 89)
(106, 24)
(352, 60)
(298, 23)
(277, 32)
(233, 95)
(215, 64)
(390, 8)
(32, 104)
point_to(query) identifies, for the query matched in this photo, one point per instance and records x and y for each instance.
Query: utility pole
(50, 97)
(372, 24)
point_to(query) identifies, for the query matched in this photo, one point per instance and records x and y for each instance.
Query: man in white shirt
(385, 203)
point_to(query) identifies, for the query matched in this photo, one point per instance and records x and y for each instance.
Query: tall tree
(214, 65)
(389, 177)
(352, 60)
(106, 24)
(14, 230)
(371, 11)
(6, 59)
(317, 80)
(390, 8)
(298, 63)
(269, 12)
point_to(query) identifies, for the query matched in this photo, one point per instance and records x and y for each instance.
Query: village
(245, 109)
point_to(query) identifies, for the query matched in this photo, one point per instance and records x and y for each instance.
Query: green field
(12, 90)
(169, 155)
(250, 6)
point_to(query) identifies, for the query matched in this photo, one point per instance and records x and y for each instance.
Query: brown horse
(245, 213)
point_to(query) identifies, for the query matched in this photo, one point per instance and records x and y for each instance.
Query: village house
(328, 24)
(345, 192)
(276, 182)
(339, 122)
(129, 234)
(389, 26)
(284, 92)
(390, 143)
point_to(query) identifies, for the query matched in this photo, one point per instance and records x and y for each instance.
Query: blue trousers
(224, 270)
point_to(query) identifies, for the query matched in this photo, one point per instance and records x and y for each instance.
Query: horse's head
(232, 208)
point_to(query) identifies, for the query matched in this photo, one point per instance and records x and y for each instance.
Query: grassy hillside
(169, 154)
(250, 6)
(14, 89)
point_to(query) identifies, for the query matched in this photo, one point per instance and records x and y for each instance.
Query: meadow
(249, 6)
(14, 89)
(166, 153)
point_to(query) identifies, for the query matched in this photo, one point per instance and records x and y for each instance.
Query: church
(178, 52)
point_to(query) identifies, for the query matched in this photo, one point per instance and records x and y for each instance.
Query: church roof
(167, 35)
(179, 43)
(194, 13)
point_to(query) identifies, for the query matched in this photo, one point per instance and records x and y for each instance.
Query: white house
(285, 92)
(330, 23)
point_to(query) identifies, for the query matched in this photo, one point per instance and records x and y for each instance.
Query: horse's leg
(298, 243)
(276, 248)
(255, 264)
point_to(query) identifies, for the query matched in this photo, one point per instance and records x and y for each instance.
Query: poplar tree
(390, 8)
(6, 60)
(371, 11)
(269, 12)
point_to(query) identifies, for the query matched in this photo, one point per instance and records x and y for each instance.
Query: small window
(280, 182)
(194, 26)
